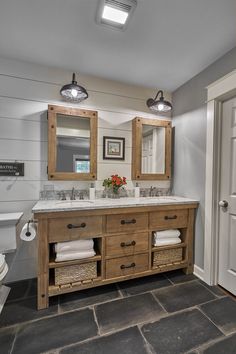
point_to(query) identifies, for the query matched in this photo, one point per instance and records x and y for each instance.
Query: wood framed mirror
(151, 151)
(72, 143)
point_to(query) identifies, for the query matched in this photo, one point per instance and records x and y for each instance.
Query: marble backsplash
(84, 193)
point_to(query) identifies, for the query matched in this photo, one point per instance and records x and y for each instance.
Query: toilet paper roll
(2, 262)
(4, 272)
(28, 232)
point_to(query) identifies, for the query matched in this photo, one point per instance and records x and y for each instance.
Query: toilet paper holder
(31, 221)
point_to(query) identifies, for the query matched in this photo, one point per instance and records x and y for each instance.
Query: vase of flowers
(113, 185)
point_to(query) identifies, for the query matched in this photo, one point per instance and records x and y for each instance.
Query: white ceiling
(166, 43)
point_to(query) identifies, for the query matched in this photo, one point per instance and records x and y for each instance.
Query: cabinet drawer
(122, 245)
(123, 266)
(68, 229)
(169, 219)
(127, 222)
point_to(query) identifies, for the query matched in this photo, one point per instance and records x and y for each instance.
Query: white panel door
(147, 154)
(227, 219)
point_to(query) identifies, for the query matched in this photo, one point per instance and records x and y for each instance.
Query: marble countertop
(105, 203)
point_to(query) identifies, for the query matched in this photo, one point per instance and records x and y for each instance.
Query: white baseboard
(199, 272)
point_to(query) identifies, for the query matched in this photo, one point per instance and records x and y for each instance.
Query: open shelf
(97, 257)
(53, 264)
(171, 265)
(168, 247)
(65, 288)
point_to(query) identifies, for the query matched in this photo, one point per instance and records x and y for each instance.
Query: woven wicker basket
(167, 256)
(78, 272)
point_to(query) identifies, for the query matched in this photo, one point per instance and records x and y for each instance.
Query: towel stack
(167, 237)
(72, 250)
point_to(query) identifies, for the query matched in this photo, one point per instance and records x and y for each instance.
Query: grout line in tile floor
(79, 342)
(148, 345)
(203, 313)
(208, 344)
(14, 340)
(96, 320)
(159, 303)
(218, 296)
(92, 338)
(119, 290)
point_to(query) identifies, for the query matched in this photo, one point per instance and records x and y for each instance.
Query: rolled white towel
(74, 246)
(167, 233)
(69, 256)
(167, 241)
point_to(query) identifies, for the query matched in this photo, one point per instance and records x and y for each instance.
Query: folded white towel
(72, 246)
(167, 233)
(167, 241)
(69, 256)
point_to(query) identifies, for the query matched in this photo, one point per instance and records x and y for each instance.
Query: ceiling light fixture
(73, 92)
(160, 105)
(115, 13)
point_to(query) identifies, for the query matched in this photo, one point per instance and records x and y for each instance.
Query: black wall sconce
(159, 105)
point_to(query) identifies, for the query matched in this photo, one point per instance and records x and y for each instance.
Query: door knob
(223, 203)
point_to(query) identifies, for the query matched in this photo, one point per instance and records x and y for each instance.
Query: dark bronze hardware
(123, 222)
(71, 226)
(127, 244)
(132, 265)
(170, 217)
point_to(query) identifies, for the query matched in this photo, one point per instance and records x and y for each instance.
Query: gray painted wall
(189, 122)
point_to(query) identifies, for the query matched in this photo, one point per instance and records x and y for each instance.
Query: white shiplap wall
(25, 91)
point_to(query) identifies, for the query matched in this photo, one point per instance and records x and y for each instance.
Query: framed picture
(113, 148)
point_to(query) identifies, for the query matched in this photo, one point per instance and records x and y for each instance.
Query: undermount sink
(163, 198)
(71, 202)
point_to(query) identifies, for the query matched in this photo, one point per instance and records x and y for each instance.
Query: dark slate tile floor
(223, 313)
(172, 313)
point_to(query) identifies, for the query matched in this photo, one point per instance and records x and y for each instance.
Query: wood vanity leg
(43, 260)
(190, 233)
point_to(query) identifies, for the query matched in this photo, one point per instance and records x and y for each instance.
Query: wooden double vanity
(122, 231)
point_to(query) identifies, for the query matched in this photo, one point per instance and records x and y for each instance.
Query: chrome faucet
(62, 195)
(72, 197)
(151, 191)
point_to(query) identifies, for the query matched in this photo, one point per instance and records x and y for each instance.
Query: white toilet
(8, 224)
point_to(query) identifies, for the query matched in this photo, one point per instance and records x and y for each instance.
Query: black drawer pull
(123, 222)
(132, 265)
(170, 217)
(71, 226)
(127, 244)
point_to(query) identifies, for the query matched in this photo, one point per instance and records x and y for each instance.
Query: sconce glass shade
(73, 92)
(160, 105)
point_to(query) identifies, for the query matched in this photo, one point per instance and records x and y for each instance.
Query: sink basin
(161, 199)
(74, 202)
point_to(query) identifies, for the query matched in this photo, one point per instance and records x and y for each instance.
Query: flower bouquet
(114, 183)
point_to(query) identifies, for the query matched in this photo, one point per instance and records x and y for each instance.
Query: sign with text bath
(11, 169)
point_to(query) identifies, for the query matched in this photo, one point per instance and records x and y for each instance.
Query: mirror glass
(153, 149)
(72, 144)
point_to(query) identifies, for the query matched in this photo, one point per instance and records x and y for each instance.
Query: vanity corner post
(43, 262)
(190, 237)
